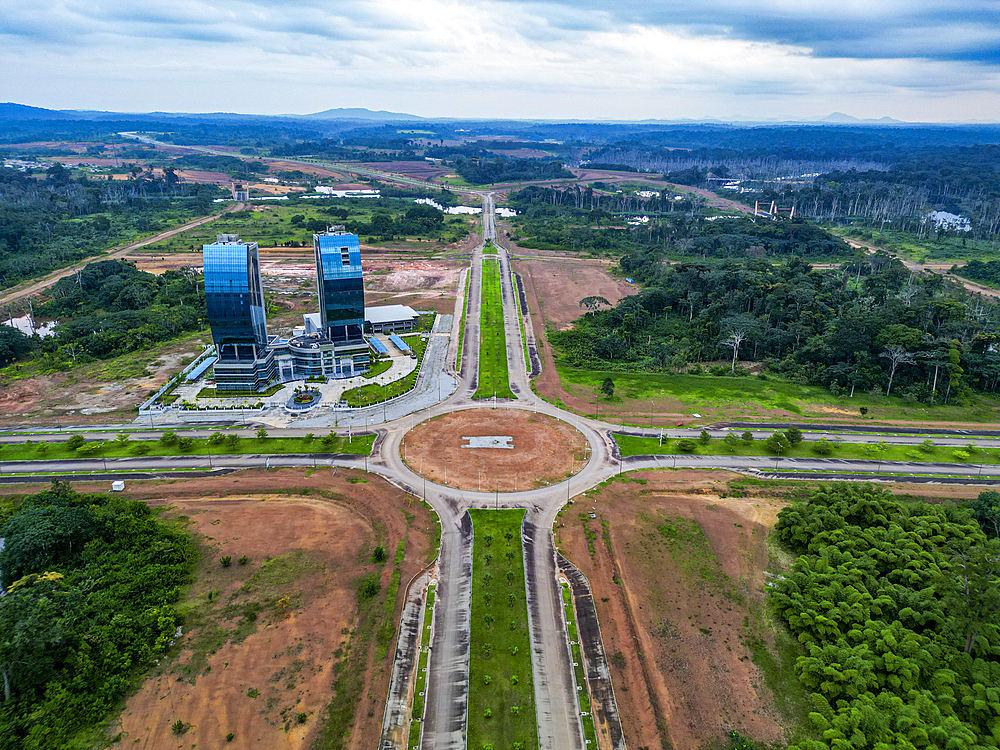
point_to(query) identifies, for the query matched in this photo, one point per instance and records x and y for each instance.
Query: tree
(777, 443)
(75, 442)
(731, 441)
(608, 387)
(261, 433)
(593, 303)
(986, 510)
(747, 438)
(734, 341)
(794, 435)
(687, 445)
(897, 356)
(704, 438)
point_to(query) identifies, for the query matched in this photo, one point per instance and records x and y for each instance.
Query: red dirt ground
(329, 523)
(681, 633)
(545, 450)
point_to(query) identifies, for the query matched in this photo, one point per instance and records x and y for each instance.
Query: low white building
(390, 318)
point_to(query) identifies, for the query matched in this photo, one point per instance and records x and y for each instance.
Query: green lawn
(32, 451)
(489, 248)
(745, 398)
(501, 688)
(366, 395)
(492, 342)
(631, 445)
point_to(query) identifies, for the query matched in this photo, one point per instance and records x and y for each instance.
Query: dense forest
(897, 606)
(49, 223)
(110, 308)
(977, 270)
(869, 325)
(90, 582)
(483, 172)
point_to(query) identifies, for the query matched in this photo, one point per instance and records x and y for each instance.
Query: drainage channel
(602, 694)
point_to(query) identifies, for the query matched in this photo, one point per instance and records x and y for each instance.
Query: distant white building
(949, 221)
(334, 193)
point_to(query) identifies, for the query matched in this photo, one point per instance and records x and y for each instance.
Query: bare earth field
(561, 281)
(99, 392)
(267, 640)
(545, 450)
(691, 570)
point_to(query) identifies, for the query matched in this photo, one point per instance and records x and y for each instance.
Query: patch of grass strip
(493, 379)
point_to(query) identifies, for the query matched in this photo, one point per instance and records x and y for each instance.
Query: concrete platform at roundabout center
(494, 449)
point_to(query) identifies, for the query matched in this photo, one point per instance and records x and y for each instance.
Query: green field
(114, 448)
(631, 445)
(275, 225)
(489, 248)
(366, 395)
(747, 398)
(492, 341)
(501, 688)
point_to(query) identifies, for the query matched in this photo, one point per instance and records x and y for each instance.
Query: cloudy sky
(915, 60)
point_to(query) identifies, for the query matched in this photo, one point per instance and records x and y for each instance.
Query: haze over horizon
(919, 61)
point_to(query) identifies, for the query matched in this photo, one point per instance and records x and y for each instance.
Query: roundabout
(502, 450)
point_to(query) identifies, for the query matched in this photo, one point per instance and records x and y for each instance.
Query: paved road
(557, 710)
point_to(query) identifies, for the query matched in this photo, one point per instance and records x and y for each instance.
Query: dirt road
(120, 252)
(942, 268)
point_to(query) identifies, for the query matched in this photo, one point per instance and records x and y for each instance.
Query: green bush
(75, 442)
(686, 445)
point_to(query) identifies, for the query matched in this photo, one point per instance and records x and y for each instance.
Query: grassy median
(501, 688)
(493, 379)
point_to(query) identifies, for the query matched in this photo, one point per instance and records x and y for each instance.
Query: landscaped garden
(501, 689)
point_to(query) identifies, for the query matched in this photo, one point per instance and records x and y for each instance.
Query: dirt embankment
(270, 643)
(677, 574)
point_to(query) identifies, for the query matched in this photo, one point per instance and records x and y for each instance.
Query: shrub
(261, 433)
(301, 718)
(226, 561)
(378, 555)
(686, 445)
(927, 446)
(961, 455)
(243, 560)
(139, 449)
(216, 438)
(747, 438)
(731, 441)
(178, 727)
(822, 447)
(169, 438)
(369, 587)
(794, 435)
(704, 438)
(229, 737)
(232, 440)
(253, 693)
(185, 443)
(618, 660)
(75, 442)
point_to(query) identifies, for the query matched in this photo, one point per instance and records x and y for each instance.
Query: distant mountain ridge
(357, 113)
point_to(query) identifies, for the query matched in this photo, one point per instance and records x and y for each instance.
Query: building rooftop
(389, 313)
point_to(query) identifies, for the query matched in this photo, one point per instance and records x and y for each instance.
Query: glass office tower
(234, 296)
(338, 278)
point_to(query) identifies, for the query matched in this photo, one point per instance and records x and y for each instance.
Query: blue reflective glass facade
(338, 279)
(235, 298)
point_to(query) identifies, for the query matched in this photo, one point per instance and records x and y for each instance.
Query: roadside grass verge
(461, 323)
(501, 688)
(420, 686)
(493, 377)
(520, 321)
(728, 397)
(367, 395)
(632, 445)
(31, 451)
(582, 687)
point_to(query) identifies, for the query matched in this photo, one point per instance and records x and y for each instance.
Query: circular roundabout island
(495, 449)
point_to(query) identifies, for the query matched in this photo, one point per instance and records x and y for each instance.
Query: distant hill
(358, 113)
(13, 111)
(840, 117)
